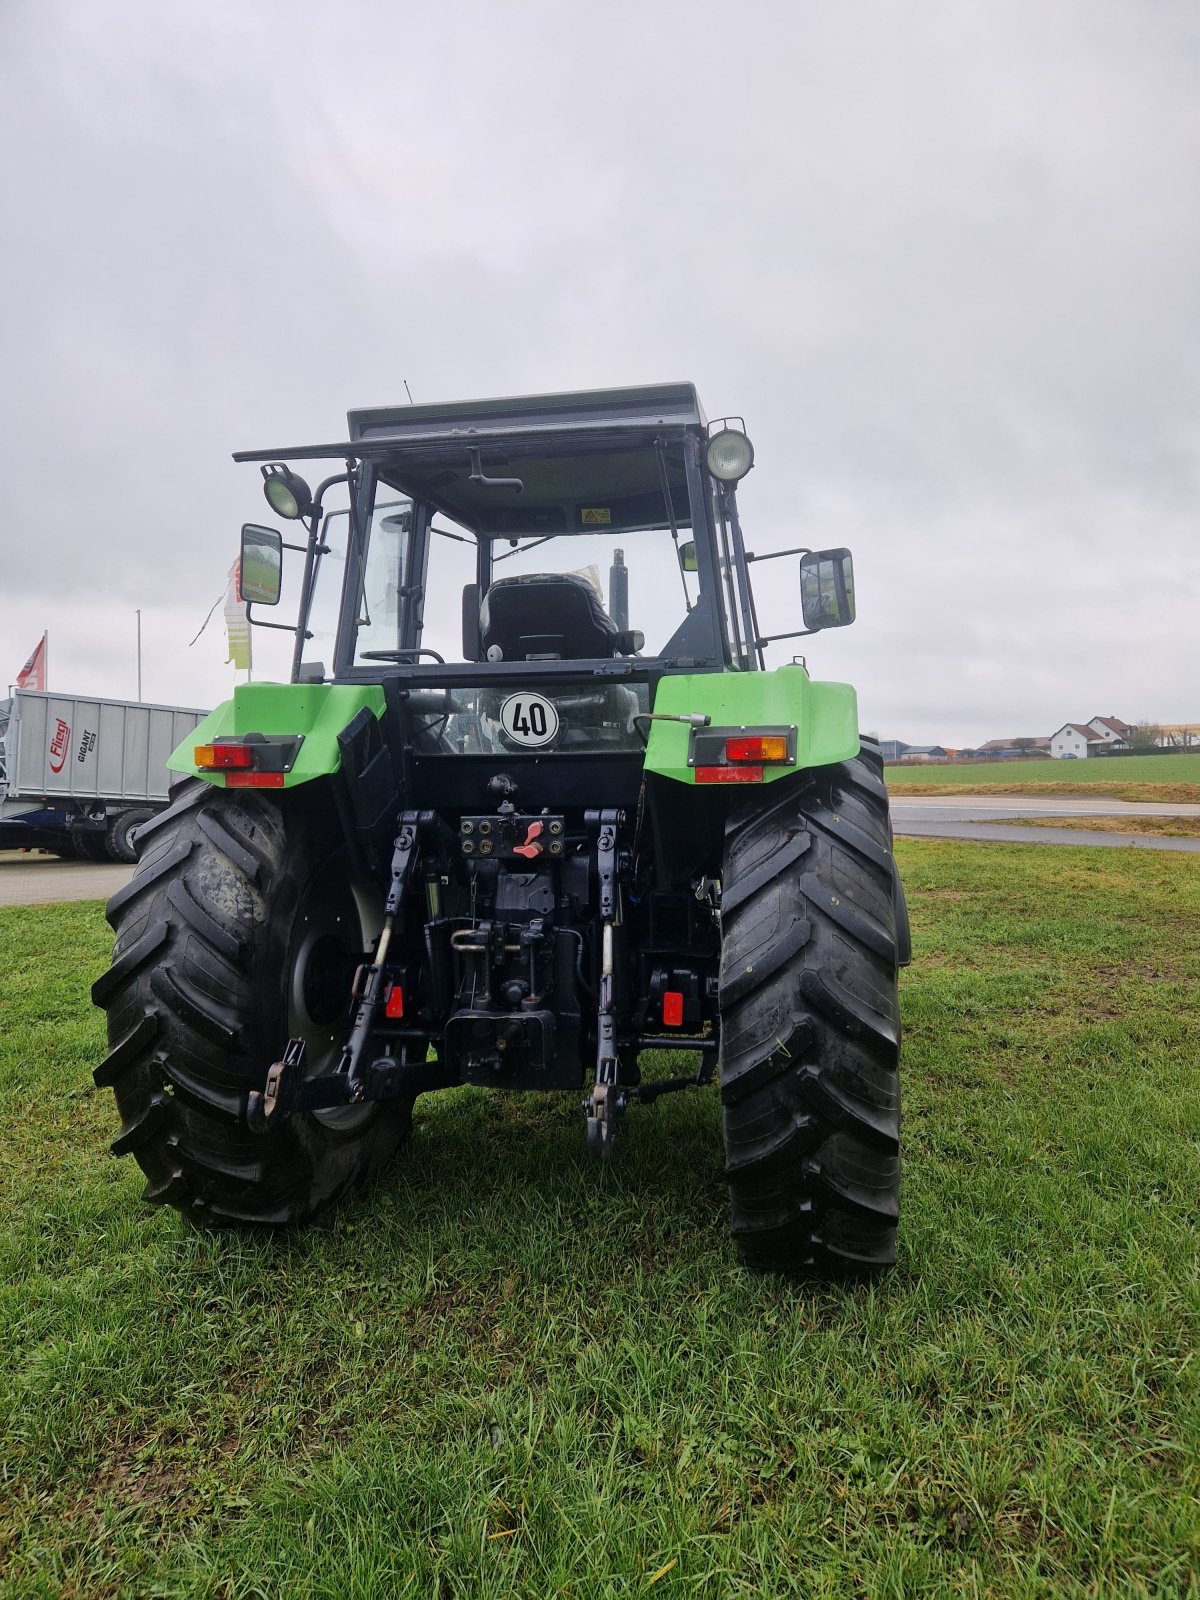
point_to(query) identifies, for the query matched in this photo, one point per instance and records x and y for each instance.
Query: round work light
(287, 493)
(730, 455)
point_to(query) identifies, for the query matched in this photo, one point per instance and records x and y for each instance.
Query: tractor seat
(545, 614)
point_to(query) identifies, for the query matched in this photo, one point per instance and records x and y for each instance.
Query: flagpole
(139, 642)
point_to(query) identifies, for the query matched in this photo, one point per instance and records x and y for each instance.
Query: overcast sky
(944, 258)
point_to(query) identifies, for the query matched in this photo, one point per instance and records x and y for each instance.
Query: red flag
(33, 674)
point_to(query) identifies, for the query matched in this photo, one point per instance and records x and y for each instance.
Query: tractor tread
(204, 1015)
(198, 918)
(835, 821)
(196, 1009)
(126, 1051)
(249, 862)
(810, 1028)
(141, 883)
(215, 1100)
(145, 1125)
(765, 871)
(186, 795)
(130, 960)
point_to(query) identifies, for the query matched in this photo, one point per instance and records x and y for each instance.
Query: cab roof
(662, 405)
(383, 432)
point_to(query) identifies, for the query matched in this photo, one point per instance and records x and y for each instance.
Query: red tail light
(756, 747)
(220, 757)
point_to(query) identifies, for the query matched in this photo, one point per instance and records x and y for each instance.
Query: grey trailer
(79, 775)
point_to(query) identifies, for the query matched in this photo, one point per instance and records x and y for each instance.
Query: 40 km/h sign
(529, 719)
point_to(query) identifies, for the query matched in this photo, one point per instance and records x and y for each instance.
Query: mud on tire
(813, 931)
(237, 930)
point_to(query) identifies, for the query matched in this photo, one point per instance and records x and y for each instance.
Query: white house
(1112, 730)
(1074, 739)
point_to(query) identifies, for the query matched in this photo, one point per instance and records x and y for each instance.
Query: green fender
(319, 711)
(825, 716)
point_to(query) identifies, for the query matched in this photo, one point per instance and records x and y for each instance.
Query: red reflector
(254, 780)
(216, 757)
(728, 774)
(673, 1008)
(394, 1004)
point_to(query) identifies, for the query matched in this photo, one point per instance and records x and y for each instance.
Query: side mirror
(827, 588)
(687, 556)
(262, 564)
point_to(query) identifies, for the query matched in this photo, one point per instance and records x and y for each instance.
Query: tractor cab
(526, 572)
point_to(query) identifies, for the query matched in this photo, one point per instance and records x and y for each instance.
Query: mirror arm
(773, 555)
(282, 627)
(770, 638)
(328, 483)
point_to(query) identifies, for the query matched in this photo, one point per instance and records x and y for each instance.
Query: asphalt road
(996, 818)
(30, 879)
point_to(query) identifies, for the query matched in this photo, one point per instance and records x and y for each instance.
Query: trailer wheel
(240, 928)
(88, 844)
(810, 1023)
(118, 841)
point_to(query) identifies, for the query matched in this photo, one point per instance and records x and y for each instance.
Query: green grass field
(508, 1373)
(1108, 771)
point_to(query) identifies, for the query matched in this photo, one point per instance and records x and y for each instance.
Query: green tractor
(605, 833)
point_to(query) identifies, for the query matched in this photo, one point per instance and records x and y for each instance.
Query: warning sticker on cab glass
(595, 516)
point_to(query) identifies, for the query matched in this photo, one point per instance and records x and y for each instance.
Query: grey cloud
(945, 260)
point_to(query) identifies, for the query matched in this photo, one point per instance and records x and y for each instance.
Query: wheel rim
(336, 922)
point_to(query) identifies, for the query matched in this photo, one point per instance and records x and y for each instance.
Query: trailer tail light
(222, 757)
(254, 780)
(728, 774)
(769, 749)
(673, 1008)
(393, 1006)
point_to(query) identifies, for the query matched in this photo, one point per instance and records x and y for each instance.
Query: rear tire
(239, 929)
(810, 1022)
(88, 844)
(118, 841)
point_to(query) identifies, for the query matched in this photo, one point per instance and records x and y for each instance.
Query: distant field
(505, 1374)
(1116, 776)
